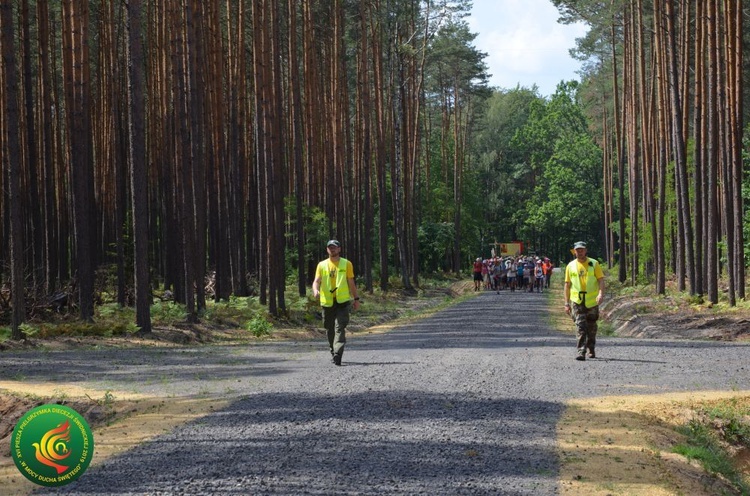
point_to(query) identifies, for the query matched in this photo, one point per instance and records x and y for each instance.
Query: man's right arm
(316, 283)
(316, 287)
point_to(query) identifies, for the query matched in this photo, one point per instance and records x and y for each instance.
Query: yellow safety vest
(333, 284)
(583, 280)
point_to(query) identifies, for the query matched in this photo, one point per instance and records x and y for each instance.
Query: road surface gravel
(463, 402)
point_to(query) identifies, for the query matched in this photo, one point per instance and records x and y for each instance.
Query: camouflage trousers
(335, 320)
(586, 326)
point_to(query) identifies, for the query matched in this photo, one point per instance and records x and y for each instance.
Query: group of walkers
(512, 273)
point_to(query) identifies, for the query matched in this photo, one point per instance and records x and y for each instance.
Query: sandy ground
(622, 445)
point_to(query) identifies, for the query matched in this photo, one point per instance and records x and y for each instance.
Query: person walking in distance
(539, 276)
(584, 292)
(547, 268)
(477, 271)
(334, 284)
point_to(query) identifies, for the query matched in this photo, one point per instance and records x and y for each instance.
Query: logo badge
(52, 445)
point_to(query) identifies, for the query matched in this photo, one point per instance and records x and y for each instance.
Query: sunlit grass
(715, 430)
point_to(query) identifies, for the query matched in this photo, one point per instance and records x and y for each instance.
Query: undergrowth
(246, 313)
(715, 435)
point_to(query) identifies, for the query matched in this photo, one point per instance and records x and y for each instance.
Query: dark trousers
(335, 320)
(586, 326)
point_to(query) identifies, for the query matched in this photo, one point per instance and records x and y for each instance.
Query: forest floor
(674, 317)
(647, 421)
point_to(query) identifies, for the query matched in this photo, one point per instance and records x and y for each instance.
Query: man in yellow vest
(584, 291)
(334, 284)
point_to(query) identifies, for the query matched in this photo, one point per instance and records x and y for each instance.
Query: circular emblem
(52, 445)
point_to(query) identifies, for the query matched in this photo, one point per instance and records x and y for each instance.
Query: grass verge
(718, 437)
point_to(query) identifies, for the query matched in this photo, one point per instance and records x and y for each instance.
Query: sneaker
(581, 357)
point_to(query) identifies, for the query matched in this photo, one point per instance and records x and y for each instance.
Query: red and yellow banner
(512, 249)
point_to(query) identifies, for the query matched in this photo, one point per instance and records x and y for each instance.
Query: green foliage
(733, 419)
(108, 328)
(455, 88)
(440, 206)
(435, 245)
(297, 303)
(499, 186)
(702, 445)
(714, 427)
(303, 314)
(605, 328)
(567, 201)
(539, 170)
(453, 62)
(568, 197)
(705, 454)
(167, 313)
(317, 227)
(746, 189)
(259, 327)
(233, 312)
(646, 259)
(29, 330)
(645, 246)
(108, 311)
(108, 400)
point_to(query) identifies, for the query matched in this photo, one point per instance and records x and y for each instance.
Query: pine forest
(211, 148)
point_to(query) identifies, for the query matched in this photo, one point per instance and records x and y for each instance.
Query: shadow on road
(376, 442)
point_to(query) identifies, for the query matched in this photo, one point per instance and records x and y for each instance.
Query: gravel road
(463, 402)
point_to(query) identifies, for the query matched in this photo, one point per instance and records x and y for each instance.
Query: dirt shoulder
(674, 318)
